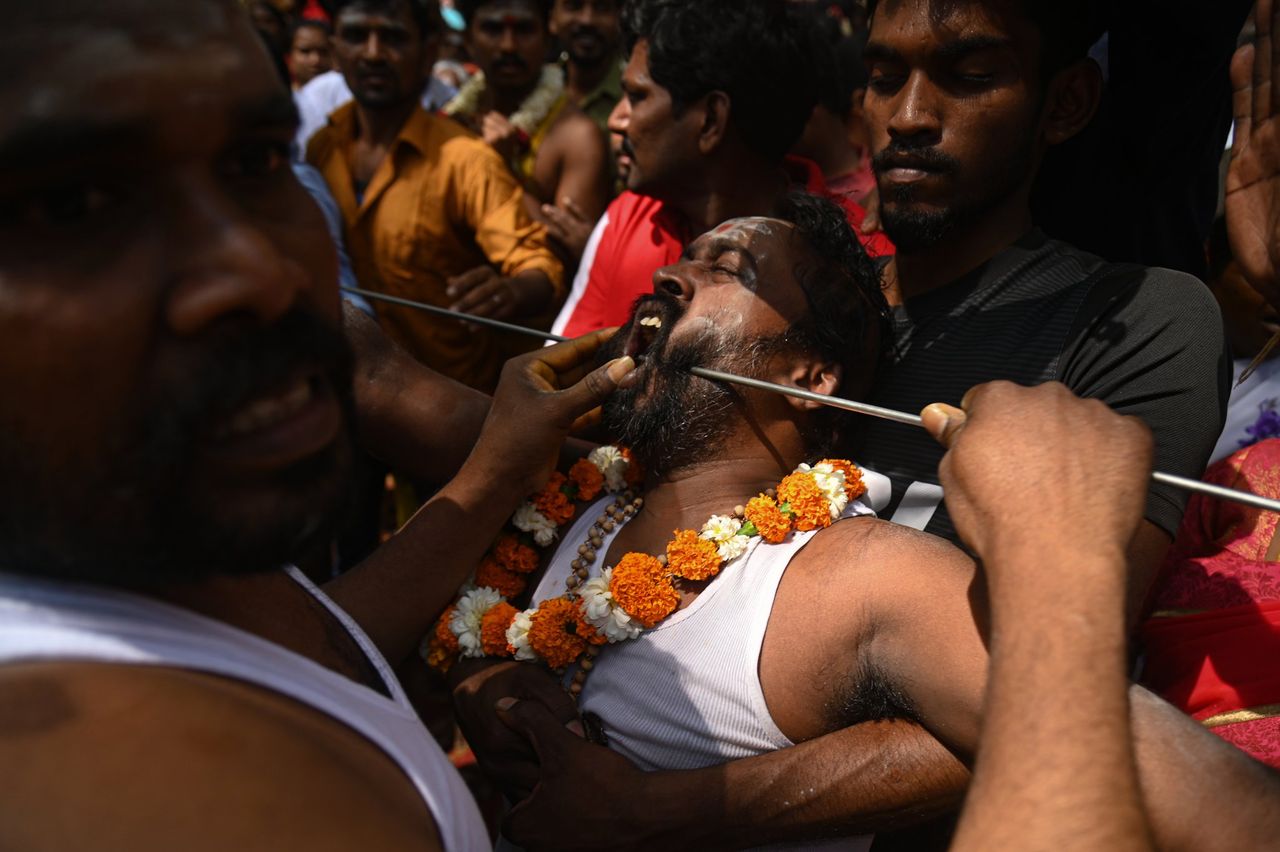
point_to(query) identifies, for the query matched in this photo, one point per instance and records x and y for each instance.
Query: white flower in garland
(613, 465)
(530, 520)
(518, 635)
(465, 621)
(602, 611)
(830, 482)
(723, 530)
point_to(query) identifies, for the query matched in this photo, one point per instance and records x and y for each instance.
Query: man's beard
(670, 418)
(914, 230)
(594, 54)
(139, 513)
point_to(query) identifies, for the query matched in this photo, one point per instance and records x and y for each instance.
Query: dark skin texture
(958, 87)
(384, 59)
(508, 40)
(150, 209)
(921, 622)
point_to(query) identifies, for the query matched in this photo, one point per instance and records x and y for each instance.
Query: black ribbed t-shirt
(1148, 342)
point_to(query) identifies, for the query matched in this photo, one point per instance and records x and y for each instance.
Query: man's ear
(814, 375)
(1072, 99)
(715, 121)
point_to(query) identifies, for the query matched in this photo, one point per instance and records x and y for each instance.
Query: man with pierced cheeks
(826, 633)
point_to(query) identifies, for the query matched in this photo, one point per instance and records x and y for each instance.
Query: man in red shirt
(705, 125)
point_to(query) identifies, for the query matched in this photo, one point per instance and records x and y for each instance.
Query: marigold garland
(806, 501)
(553, 503)
(493, 629)
(769, 521)
(515, 557)
(446, 638)
(559, 633)
(504, 582)
(854, 487)
(642, 587)
(692, 557)
(588, 478)
(637, 593)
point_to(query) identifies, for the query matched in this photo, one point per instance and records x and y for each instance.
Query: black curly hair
(426, 13)
(848, 320)
(755, 52)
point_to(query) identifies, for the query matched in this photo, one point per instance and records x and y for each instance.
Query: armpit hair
(870, 696)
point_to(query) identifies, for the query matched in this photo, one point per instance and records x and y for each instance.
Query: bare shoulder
(574, 129)
(149, 757)
(868, 547)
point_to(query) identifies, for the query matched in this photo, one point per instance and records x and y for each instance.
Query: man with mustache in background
(715, 95)
(521, 108)
(964, 101)
(430, 213)
(591, 33)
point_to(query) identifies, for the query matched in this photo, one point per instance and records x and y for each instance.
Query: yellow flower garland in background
(632, 596)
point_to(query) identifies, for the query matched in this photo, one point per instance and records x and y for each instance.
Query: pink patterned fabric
(1223, 655)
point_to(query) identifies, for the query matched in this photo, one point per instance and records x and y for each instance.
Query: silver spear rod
(1182, 482)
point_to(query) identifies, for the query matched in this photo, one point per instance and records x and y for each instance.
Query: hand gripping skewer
(1194, 485)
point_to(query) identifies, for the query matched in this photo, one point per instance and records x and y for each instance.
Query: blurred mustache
(508, 61)
(909, 155)
(586, 30)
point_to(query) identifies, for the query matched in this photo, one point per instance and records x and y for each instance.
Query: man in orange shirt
(430, 212)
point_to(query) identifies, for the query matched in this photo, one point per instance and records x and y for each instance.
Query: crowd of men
(1015, 217)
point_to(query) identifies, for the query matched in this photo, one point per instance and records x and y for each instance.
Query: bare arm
(584, 166)
(1058, 649)
(859, 780)
(1057, 766)
(398, 591)
(419, 422)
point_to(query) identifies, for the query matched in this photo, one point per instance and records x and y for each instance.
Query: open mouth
(646, 335)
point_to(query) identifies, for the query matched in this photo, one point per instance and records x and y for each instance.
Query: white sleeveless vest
(686, 694)
(46, 620)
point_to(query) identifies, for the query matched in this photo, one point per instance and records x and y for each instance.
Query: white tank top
(686, 693)
(46, 620)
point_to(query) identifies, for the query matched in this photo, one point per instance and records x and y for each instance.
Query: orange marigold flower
(555, 632)
(643, 588)
(515, 556)
(634, 474)
(854, 487)
(587, 477)
(767, 518)
(492, 574)
(493, 630)
(440, 658)
(692, 557)
(443, 635)
(809, 505)
(554, 505)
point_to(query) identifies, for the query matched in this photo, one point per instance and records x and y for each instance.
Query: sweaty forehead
(116, 62)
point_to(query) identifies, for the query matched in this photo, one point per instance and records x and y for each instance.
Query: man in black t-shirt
(964, 100)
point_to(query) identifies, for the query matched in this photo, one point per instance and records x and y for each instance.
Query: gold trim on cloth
(1250, 714)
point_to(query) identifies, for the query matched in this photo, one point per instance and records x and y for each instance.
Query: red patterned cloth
(1213, 644)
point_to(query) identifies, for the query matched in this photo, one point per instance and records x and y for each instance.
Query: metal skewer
(1182, 482)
